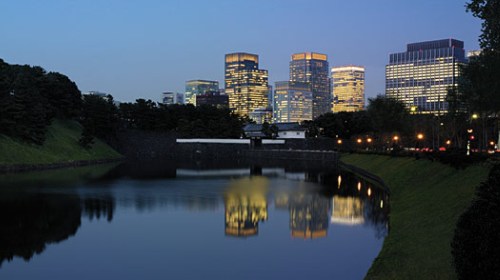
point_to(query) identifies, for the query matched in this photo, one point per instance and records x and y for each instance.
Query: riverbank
(60, 149)
(426, 200)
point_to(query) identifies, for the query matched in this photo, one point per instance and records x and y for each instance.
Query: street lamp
(420, 137)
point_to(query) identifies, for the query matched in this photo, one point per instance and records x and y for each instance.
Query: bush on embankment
(61, 145)
(426, 200)
(476, 244)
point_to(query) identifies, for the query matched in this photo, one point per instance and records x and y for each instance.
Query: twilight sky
(141, 48)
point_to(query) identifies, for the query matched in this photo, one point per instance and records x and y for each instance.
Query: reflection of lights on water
(381, 204)
(369, 191)
(339, 180)
(359, 186)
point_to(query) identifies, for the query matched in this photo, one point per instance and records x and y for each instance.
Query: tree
(63, 96)
(476, 243)
(99, 119)
(30, 98)
(388, 115)
(480, 86)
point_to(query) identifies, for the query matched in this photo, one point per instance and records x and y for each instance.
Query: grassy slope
(61, 145)
(426, 200)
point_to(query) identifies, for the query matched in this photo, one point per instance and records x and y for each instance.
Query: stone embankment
(34, 167)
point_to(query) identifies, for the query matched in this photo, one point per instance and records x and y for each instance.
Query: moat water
(166, 221)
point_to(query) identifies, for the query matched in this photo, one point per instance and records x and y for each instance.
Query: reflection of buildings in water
(309, 216)
(347, 210)
(245, 206)
(281, 200)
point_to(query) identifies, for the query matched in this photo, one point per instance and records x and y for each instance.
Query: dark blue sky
(138, 49)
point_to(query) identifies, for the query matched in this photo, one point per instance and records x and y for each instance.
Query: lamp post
(359, 141)
(470, 137)
(420, 137)
(395, 146)
(369, 141)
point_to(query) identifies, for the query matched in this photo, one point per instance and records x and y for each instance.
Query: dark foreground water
(163, 221)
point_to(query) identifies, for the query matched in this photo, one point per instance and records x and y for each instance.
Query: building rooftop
(309, 55)
(435, 44)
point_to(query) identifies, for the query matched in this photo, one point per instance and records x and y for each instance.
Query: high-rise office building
(262, 115)
(312, 68)
(422, 76)
(212, 98)
(348, 88)
(292, 102)
(245, 84)
(170, 98)
(199, 87)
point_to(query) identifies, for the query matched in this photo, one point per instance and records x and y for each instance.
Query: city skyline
(139, 50)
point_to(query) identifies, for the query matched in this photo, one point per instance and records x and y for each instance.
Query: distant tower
(199, 87)
(170, 98)
(292, 102)
(245, 84)
(422, 76)
(312, 68)
(348, 88)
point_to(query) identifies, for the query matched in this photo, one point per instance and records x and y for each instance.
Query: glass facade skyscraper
(348, 88)
(312, 68)
(422, 76)
(170, 98)
(292, 102)
(199, 87)
(245, 84)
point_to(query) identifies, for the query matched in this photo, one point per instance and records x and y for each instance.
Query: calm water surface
(135, 222)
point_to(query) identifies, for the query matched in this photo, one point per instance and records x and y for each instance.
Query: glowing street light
(395, 138)
(339, 141)
(448, 142)
(420, 136)
(475, 116)
(369, 140)
(359, 141)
